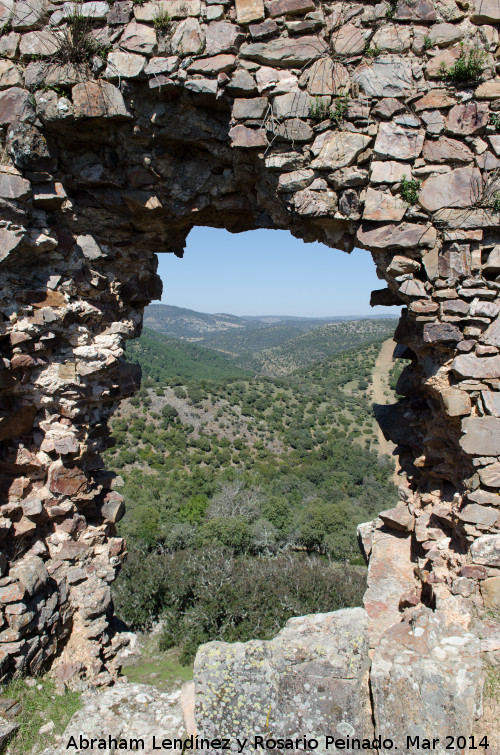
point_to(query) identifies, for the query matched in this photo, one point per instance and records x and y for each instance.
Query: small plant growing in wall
(392, 8)
(496, 202)
(318, 109)
(339, 108)
(409, 190)
(467, 68)
(161, 19)
(373, 52)
(75, 44)
(495, 121)
(427, 42)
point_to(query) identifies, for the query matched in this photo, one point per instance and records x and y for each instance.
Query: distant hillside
(316, 345)
(241, 336)
(162, 358)
(247, 341)
(188, 324)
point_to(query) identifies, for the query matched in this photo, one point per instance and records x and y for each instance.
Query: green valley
(244, 489)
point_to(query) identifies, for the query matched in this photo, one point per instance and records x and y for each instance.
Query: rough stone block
(426, 678)
(490, 590)
(310, 677)
(249, 10)
(99, 99)
(486, 550)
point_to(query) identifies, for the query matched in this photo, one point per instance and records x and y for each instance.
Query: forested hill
(241, 336)
(163, 358)
(252, 483)
(316, 345)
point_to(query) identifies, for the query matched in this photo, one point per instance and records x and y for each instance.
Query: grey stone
(32, 506)
(125, 711)
(490, 475)
(472, 366)
(222, 36)
(491, 402)
(255, 107)
(9, 242)
(89, 247)
(337, 149)
(14, 187)
(292, 130)
(486, 550)
(442, 332)
(429, 673)
(482, 436)
(310, 676)
(138, 38)
(292, 105)
(387, 76)
(491, 336)
(31, 572)
(296, 180)
(474, 513)
(397, 142)
(457, 403)
(287, 53)
(124, 65)
(28, 14)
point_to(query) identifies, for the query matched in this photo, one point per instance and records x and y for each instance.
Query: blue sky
(268, 273)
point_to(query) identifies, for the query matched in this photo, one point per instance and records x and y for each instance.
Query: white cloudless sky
(266, 272)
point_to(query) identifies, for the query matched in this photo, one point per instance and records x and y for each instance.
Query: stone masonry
(124, 125)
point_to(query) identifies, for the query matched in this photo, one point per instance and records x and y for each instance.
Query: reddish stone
(444, 150)
(435, 99)
(23, 527)
(248, 138)
(13, 593)
(214, 65)
(415, 10)
(467, 119)
(249, 10)
(460, 188)
(473, 572)
(21, 361)
(73, 550)
(290, 7)
(265, 29)
(117, 547)
(409, 599)
(66, 481)
(47, 299)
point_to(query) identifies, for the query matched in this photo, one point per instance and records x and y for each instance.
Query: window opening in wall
(251, 452)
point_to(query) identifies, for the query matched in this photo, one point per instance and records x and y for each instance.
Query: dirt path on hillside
(380, 384)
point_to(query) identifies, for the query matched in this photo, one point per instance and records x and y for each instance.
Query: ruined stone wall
(373, 125)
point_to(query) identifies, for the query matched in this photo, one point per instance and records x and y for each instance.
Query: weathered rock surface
(125, 712)
(312, 674)
(426, 677)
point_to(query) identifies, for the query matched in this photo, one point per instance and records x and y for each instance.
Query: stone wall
(375, 125)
